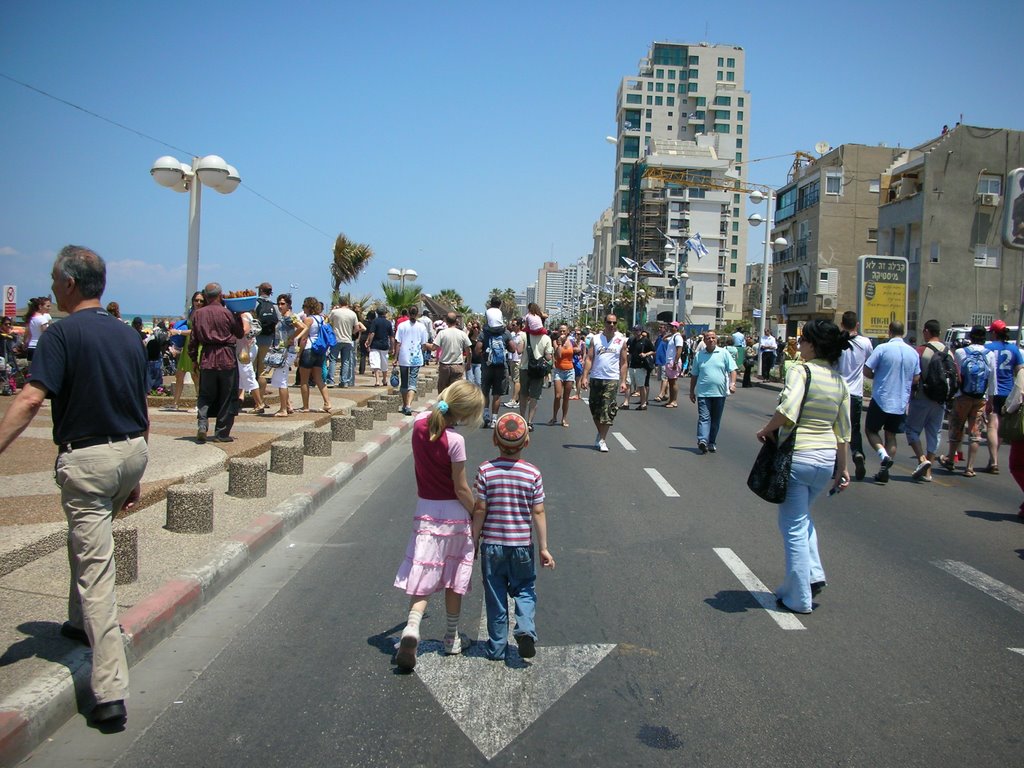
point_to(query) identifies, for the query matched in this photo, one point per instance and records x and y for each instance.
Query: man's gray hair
(85, 267)
(212, 291)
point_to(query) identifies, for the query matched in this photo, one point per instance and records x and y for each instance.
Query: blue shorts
(560, 375)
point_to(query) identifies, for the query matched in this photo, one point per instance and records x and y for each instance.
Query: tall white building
(682, 92)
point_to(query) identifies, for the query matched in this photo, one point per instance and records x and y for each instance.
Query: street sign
(10, 300)
(1013, 210)
(881, 294)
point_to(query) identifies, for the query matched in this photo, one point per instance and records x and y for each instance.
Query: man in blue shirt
(1009, 359)
(894, 368)
(712, 379)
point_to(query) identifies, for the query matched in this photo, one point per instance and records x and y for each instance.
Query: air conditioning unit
(828, 302)
(989, 199)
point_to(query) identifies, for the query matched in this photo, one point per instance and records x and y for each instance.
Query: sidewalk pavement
(44, 677)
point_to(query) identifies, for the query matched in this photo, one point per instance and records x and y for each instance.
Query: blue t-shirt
(895, 364)
(93, 368)
(711, 370)
(178, 342)
(1008, 357)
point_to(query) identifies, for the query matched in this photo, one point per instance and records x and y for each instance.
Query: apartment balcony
(785, 256)
(801, 250)
(798, 298)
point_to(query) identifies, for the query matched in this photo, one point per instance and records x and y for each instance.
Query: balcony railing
(797, 298)
(801, 250)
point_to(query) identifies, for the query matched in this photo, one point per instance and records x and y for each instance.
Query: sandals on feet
(969, 473)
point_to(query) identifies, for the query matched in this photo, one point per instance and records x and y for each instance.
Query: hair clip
(441, 407)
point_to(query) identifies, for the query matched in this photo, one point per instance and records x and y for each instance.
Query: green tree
(398, 298)
(350, 259)
(509, 307)
(449, 297)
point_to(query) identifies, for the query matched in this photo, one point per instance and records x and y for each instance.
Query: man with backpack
(977, 367)
(938, 386)
(495, 349)
(268, 316)
(1008, 361)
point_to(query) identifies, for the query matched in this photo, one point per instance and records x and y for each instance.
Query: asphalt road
(652, 650)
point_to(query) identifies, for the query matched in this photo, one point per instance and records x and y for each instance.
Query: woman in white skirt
(284, 338)
(245, 353)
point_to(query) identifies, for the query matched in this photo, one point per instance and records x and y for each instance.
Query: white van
(956, 336)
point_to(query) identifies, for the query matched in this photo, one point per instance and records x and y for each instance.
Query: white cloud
(6, 250)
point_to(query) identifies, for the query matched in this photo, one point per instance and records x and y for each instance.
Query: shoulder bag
(769, 477)
(1011, 426)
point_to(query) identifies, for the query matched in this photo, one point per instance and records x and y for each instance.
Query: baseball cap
(674, 324)
(511, 431)
(997, 326)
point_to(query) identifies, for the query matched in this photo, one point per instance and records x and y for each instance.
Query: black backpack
(939, 381)
(266, 313)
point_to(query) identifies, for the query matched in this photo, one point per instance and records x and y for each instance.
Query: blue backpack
(974, 373)
(325, 338)
(496, 350)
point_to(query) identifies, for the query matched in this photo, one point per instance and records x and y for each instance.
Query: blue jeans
(709, 418)
(155, 369)
(343, 352)
(508, 572)
(473, 374)
(799, 539)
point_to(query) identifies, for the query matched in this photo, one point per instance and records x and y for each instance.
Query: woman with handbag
(815, 404)
(282, 356)
(1011, 430)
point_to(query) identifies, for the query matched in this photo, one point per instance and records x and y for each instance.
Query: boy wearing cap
(509, 505)
(1009, 359)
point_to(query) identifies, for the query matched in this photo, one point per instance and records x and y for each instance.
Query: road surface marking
(493, 702)
(622, 439)
(764, 596)
(661, 482)
(1017, 650)
(1001, 592)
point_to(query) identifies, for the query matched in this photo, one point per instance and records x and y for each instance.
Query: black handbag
(769, 477)
(536, 367)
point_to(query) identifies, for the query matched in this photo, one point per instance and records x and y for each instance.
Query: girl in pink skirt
(440, 551)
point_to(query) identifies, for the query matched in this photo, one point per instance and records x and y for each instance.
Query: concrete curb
(28, 716)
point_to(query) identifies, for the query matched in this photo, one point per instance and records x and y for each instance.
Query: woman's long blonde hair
(465, 404)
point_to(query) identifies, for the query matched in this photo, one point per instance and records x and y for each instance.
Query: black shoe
(223, 439)
(527, 650)
(71, 632)
(109, 712)
(783, 606)
(887, 462)
(702, 447)
(200, 437)
(816, 587)
(882, 476)
(858, 461)
(712, 449)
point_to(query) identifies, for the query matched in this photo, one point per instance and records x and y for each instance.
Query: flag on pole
(625, 280)
(628, 262)
(670, 240)
(651, 268)
(694, 244)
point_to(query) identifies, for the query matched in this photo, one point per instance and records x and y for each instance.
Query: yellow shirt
(825, 421)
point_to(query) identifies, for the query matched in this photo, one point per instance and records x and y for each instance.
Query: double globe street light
(211, 171)
(401, 275)
(755, 219)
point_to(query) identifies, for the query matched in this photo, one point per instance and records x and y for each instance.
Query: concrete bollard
(190, 508)
(379, 408)
(126, 555)
(394, 402)
(247, 478)
(286, 458)
(363, 417)
(343, 429)
(316, 443)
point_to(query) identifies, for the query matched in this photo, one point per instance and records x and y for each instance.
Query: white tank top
(606, 356)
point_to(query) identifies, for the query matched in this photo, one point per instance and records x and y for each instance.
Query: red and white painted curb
(37, 709)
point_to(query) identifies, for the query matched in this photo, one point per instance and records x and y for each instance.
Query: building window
(730, 62)
(874, 185)
(671, 87)
(721, 61)
(631, 146)
(650, 85)
(657, 101)
(739, 101)
(739, 157)
(739, 130)
(735, 240)
(692, 61)
(739, 143)
(735, 211)
(987, 256)
(739, 115)
(732, 282)
(833, 182)
(634, 98)
(650, 100)
(721, 114)
(670, 114)
(671, 74)
(735, 226)
(691, 87)
(659, 87)
(627, 171)
(647, 113)
(647, 127)
(670, 101)
(721, 128)
(736, 198)
(659, 73)
(872, 235)
(723, 101)
(700, 101)
(699, 114)
(989, 184)
(693, 74)
(730, 77)
(933, 254)
(733, 254)
(668, 128)
(718, 75)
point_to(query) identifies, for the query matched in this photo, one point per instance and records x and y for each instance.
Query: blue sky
(464, 140)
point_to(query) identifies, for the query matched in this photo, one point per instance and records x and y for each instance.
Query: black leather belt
(89, 442)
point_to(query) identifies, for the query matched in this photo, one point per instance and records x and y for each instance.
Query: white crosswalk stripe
(622, 439)
(764, 596)
(991, 587)
(662, 483)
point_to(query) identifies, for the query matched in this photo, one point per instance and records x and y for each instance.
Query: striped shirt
(825, 420)
(510, 488)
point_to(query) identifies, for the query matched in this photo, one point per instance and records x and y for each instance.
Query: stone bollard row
(286, 458)
(190, 508)
(363, 417)
(394, 402)
(126, 555)
(379, 408)
(343, 429)
(316, 443)
(247, 478)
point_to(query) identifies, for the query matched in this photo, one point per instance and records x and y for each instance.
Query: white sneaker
(511, 404)
(602, 446)
(452, 644)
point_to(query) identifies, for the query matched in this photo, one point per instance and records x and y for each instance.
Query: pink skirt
(440, 551)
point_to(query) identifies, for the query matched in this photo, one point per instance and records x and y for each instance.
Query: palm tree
(350, 258)
(449, 297)
(400, 298)
(509, 306)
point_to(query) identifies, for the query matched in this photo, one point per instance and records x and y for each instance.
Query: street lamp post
(755, 219)
(401, 275)
(678, 313)
(211, 171)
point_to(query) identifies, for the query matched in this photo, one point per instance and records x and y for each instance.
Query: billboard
(881, 294)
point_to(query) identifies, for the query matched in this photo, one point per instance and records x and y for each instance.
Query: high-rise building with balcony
(684, 92)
